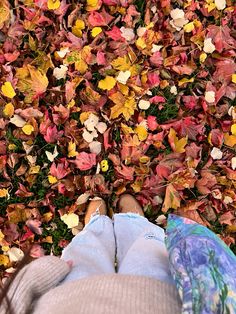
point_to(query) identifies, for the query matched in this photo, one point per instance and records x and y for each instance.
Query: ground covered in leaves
(102, 97)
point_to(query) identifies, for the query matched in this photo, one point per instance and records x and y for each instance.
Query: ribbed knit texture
(34, 280)
(37, 289)
(111, 294)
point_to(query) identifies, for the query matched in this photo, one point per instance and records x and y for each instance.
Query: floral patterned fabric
(203, 267)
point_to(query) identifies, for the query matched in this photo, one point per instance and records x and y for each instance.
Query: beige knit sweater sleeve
(34, 280)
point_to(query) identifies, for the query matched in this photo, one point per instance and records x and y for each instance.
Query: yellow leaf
(4, 12)
(71, 104)
(126, 129)
(140, 43)
(3, 192)
(189, 27)
(210, 5)
(28, 129)
(197, 23)
(8, 110)
(72, 149)
(92, 5)
(229, 140)
(96, 31)
(107, 84)
(185, 80)
(80, 24)
(5, 248)
(233, 129)
(124, 105)
(81, 66)
(52, 179)
(34, 169)
(1, 236)
(123, 88)
(12, 146)
(141, 132)
(176, 144)
(8, 90)
(144, 159)
(47, 216)
(54, 4)
(31, 81)
(78, 27)
(234, 78)
(104, 165)
(202, 57)
(48, 239)
(121, 63)
(4, 260)
(71, 220)
(84, 116)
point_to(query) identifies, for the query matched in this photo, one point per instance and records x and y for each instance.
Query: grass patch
(59, 231)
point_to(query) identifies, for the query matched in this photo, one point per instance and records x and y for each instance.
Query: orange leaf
(172, 199)
(176, 144)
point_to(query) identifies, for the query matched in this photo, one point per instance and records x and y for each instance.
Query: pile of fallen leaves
(102, 97)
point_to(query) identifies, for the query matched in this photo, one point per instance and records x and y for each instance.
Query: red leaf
(125, 172)
(115, 34)
(61, 170)
(85, 161)
(205, 184)
(100, 19)
(227, 218)
(23, 192)
(221, 37)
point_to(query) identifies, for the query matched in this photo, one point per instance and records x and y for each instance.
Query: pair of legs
(128, 241)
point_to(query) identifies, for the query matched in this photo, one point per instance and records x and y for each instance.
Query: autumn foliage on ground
(102, 97)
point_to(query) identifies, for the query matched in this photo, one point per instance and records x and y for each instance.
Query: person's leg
(140, 245)
(92, 251)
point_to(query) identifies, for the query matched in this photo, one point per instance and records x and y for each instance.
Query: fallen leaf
(172, 199)
(177, 145)
(28, 129)
(72, 149)
(71, 220)
(8, 90)
(96, 31)
(216, 153)
(53, 4)
(18, 121)
(85, 161)
(107, 84)
(3, 193)
(9, 110)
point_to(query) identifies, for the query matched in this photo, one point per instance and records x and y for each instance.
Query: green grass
(59, 231)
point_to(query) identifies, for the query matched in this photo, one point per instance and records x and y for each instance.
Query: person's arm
(34, 280)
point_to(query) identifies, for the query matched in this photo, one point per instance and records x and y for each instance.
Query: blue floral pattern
(203, 267)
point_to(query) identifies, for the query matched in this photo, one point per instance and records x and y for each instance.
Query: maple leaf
(227, 218)
(176, 144)
(23, 191)
(100, 19)
(205, 184)
(124, 105)
(107, 84)
(4, 12)
(60, 170)
(125, 172)
(31, 81)
(221, 37)
(85, 161)
(172, 199)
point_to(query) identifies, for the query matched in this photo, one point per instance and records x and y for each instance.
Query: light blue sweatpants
(137, 244)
